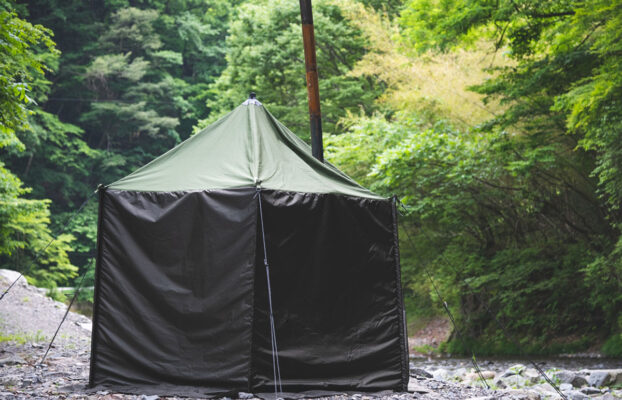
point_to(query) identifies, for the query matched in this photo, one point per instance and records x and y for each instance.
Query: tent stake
(315, 116)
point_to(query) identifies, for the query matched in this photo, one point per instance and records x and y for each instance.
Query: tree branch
(552, 15)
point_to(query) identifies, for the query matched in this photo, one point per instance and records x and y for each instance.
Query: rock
(564, 376)
(545, 388)
(85, 325)
(598, 378)
(474, 377)
(500, 383)
(244, 395)
(607, 396)
(575, 395)
(515, 394)
(566, 387)
(440, 374)
(488, 374)
(579, 381)
(616, 376)
(420, 372)
(153, 397)
(531, 375)
(11, 276)
(459, 373)
(13, 360)
(590, 390)
(516, 369)
(514, 381)
(414, 387)
(10, 380)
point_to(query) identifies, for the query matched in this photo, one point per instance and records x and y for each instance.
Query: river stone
(564, 376)
(598, 378)
(575, 395)
(516, 369)
(12, 360)
(616, 376)
(517, 394)
(414, 387)
(545, 389)
(11, 276)
(474, 376)
(500, 383)
(532, 375)
(579, 381)
(514, 381)
(441, 374)
(10, 380)
(420, 372)
(460, 373)
(564, 387)
(590, 390)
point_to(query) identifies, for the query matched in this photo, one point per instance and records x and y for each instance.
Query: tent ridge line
(252, 120)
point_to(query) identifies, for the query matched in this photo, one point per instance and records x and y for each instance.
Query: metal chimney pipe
(313, 90)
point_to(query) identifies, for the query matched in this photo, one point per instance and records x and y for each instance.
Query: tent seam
(250, 363)
(400, 299)
(97, 288)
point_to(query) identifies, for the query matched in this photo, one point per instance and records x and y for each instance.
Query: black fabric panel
(337, 306)
(174, 299)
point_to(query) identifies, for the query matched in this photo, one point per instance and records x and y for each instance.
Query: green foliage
(23, 338)
(495, 217)
(19, 67)
(129, 84)
(25, 235)
(24, 223)
(525, 207)
(265, 55)
(613, 346)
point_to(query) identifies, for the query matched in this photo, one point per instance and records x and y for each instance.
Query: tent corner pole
(315, 115)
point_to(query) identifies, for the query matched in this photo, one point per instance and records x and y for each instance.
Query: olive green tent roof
(246, 148)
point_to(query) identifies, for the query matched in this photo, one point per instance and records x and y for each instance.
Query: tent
(190, 244)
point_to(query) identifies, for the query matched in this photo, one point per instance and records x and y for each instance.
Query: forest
(497, 124)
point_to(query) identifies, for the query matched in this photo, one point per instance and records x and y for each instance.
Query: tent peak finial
(252, 99)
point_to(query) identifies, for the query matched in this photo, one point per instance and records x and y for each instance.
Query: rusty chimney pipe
(315, 116)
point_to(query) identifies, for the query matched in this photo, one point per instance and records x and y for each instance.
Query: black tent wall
(181, 293)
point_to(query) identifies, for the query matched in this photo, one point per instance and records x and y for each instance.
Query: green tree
(131, 81)
(568, 76)
(525, 206)
(24, 223)
(265, 55)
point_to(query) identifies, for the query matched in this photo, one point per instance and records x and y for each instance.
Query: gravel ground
(28, 320)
